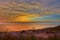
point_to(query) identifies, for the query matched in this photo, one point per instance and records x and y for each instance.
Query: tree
(33, 37)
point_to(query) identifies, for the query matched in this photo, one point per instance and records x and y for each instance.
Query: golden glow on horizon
(26, 18)
(23, 19)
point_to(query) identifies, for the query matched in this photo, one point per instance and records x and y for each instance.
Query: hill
(52, 33)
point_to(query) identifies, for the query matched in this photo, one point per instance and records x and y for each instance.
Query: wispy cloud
(12, 9)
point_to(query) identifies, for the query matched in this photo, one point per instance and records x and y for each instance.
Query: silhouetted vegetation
(31, 35)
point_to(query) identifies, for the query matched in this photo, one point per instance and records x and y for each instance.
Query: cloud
(48, 18)
(11, 10)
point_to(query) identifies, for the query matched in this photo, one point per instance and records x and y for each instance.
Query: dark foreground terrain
(52, 33)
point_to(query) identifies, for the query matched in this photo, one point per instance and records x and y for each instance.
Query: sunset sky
(28, 11)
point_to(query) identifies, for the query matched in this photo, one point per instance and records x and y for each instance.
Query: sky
(36, 11)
